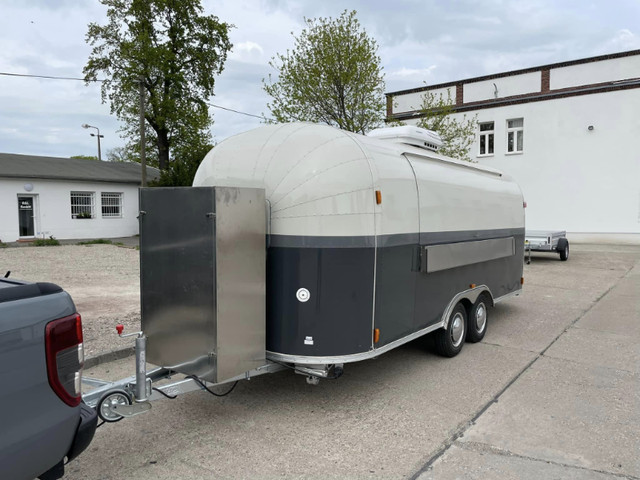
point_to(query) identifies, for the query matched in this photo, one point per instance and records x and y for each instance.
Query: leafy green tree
(332, 75)
(457, 135)
(121, 155)
(176, 52)
(183, 168)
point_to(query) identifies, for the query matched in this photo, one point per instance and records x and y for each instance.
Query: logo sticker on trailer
(303, 295)
(308, 340)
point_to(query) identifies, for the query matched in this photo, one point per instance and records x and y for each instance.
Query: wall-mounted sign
(26, 205)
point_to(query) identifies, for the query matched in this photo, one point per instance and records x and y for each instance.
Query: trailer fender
(468, 298)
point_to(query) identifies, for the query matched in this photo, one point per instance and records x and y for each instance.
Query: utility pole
(143, 157)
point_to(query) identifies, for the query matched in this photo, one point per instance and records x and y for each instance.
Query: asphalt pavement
(553, 391)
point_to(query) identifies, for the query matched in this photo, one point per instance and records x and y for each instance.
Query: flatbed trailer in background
(546, 241)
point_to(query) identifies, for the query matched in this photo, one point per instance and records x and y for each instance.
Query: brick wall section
(545, 80)
(459, 94)
(389, 106)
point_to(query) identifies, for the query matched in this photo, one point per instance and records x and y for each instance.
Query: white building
(67, 198)
(569, 133)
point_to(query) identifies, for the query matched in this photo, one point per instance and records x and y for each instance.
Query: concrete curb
(106, 357)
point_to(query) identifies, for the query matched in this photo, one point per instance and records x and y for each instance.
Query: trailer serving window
(486, 139)
(515, 135)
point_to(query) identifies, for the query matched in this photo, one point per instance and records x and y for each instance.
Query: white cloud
(623, 40)
(247, 52)
(413, 72)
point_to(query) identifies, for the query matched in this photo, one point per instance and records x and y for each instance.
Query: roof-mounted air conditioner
(418, 137)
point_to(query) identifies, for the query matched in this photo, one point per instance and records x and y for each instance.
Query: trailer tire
(563, 249)
(112, 397)
(449, 341)
(478, 318)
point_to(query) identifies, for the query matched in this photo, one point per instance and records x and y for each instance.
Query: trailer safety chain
(201, 383)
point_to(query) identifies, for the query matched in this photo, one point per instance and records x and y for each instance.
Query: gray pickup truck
(43, 421)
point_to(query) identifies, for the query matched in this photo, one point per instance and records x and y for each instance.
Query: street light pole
(85, 125)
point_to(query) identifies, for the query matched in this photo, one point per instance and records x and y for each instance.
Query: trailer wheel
(563, 249)
(113, 397)
(478, 318)
(449, 341)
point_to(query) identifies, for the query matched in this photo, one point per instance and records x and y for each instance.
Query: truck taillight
(65, 357)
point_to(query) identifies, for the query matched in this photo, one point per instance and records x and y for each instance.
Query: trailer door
(397, 236)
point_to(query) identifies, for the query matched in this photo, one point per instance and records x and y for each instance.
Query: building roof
(13, 165)
(511, 73)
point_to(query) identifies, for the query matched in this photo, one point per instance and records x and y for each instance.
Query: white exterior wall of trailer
(52, 209)
(358, 260)
(580, 162)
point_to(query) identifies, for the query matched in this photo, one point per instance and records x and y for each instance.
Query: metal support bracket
(130, 410)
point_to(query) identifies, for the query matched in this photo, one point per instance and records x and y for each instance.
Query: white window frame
(79, 207)
(486, 134)
(513, 133)
(116, 206)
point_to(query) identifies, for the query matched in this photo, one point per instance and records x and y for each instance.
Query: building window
(486, 138)
(515, 135)
(82, 204)
(111, 205)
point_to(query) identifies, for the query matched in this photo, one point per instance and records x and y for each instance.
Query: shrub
(97, 241)
(46, 242)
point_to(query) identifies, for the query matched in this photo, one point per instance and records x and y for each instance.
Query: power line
(48, 77)
(237, 111)
(52, 77)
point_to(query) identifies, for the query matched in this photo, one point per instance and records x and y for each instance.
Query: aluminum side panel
(177, 277)
(202, 253)
(444, 257)
(240, 270)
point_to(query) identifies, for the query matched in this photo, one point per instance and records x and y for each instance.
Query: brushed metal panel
(177, 277)
(202, 279)
(451, 255)
(241, 280)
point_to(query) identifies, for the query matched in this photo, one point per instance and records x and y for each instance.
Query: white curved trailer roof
(321, 181)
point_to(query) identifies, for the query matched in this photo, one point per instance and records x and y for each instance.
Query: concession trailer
(306, 247)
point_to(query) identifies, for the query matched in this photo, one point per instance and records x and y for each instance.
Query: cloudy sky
(430, 41)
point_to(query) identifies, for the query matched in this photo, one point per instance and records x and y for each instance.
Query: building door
(26, 216)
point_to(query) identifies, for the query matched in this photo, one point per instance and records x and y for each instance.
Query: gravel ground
(103, 280)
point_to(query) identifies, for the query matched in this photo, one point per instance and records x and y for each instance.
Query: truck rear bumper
(85, 431)
(81, 440)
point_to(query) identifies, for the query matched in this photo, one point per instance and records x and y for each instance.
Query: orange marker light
(376, 335)
(473, 285)
(521, 280)
(378, 197)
